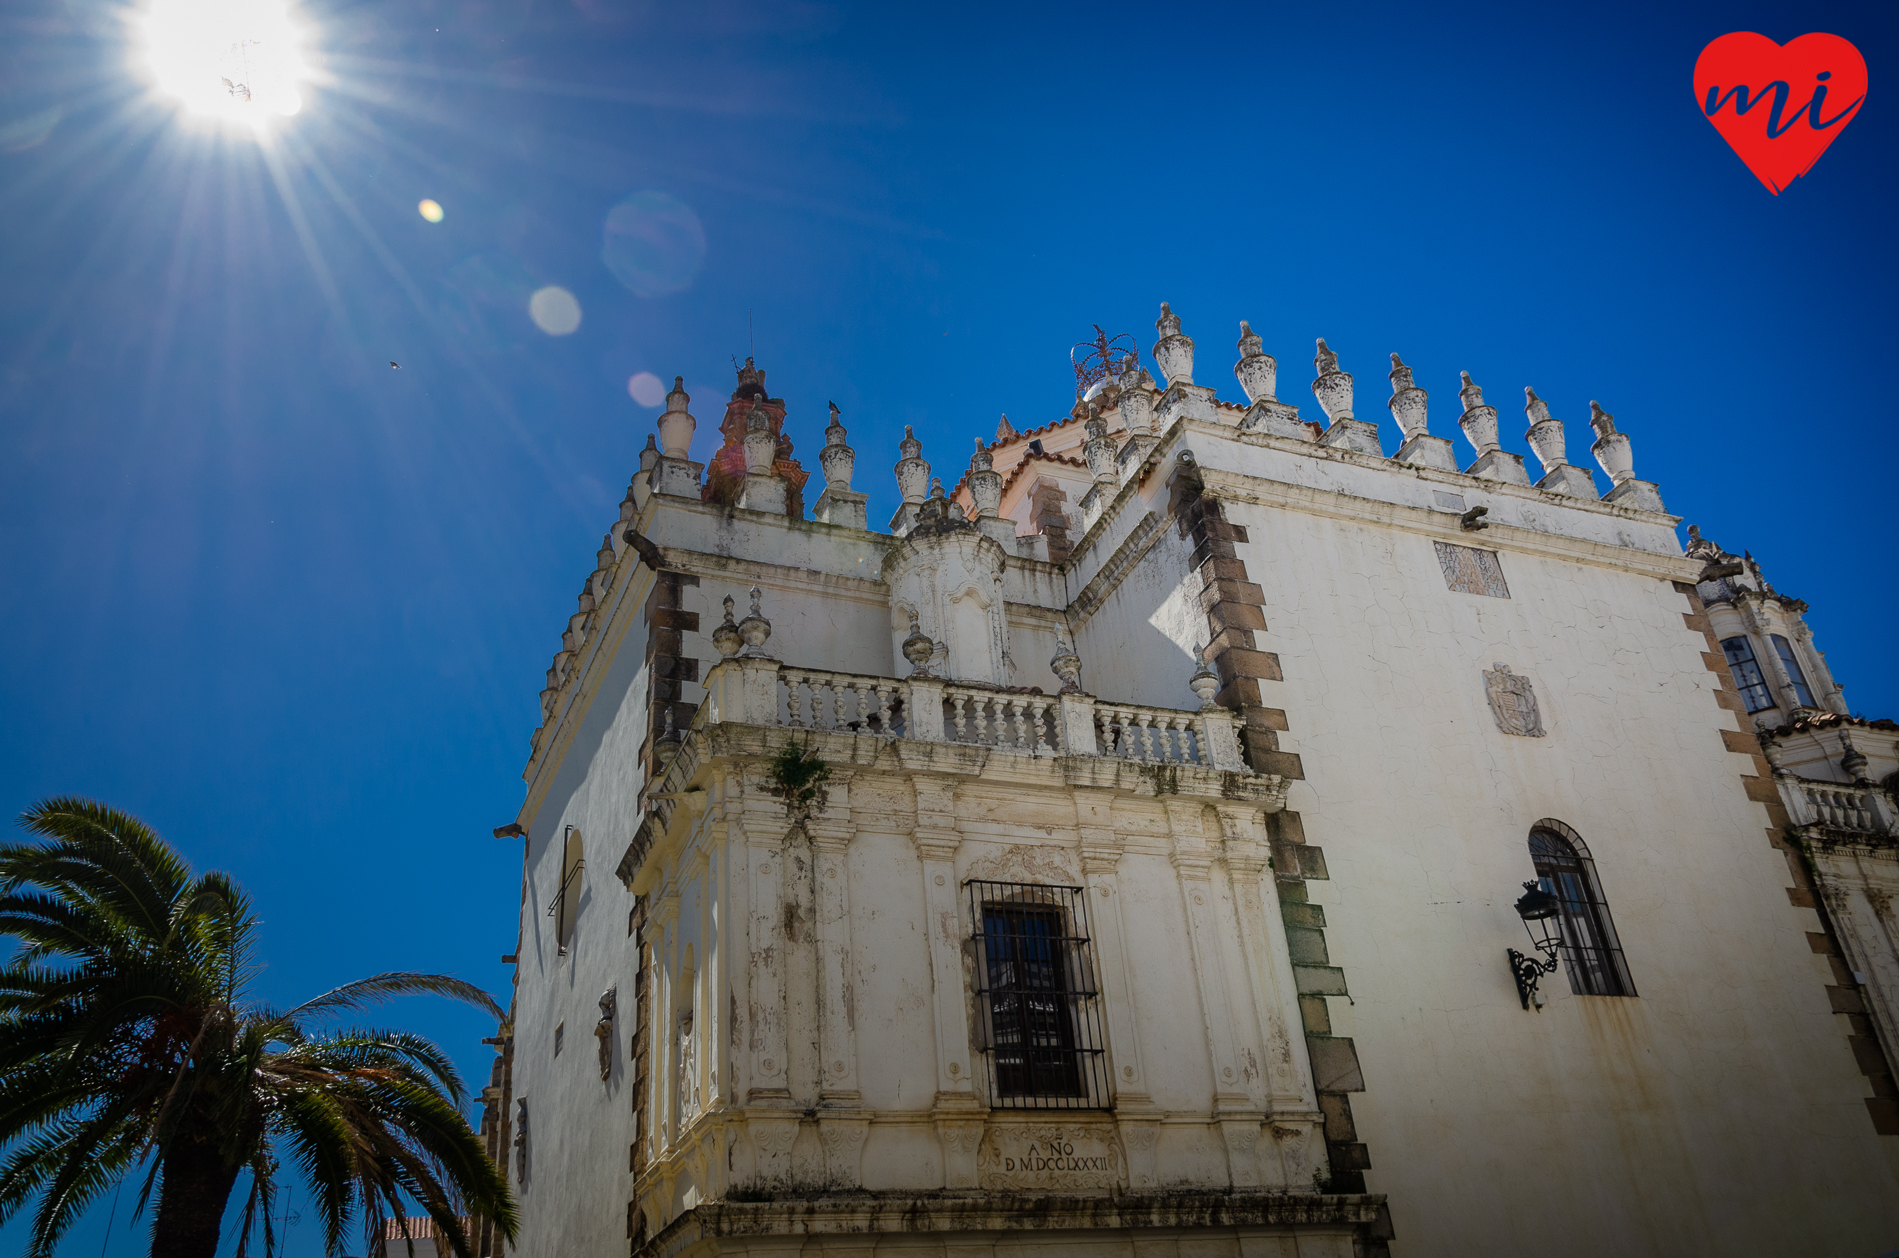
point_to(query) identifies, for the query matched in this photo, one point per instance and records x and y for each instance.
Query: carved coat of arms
(1512, 702)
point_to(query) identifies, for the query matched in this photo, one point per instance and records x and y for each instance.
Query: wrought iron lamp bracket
(1528, 972)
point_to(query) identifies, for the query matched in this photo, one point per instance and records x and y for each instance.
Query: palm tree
(126, 1039)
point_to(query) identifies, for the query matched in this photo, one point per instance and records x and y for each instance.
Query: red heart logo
(1779, 106)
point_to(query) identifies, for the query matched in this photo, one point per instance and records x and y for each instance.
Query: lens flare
(554, 310)
(653, 243)
(236, 59)
(646, 388)
(430, 210)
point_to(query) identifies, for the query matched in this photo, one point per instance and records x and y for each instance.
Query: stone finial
(837, 459)
(1333, 388)
(1173, 352)
(1257, 371)
(755, 630)
(676, 424)
(1137, 400)
(726, 636)
(649, 455)
(1408, 402)
(913, 474)
(1205, 683)
(1546, 432)
(1066, 665)
(1099, 450)
(1478, 421)
(1852, 760)
(917, 648)
(1611, 448)
(760, 446)
(1005, 431)
(985, 483)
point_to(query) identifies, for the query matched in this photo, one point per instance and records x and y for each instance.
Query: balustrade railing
(1843, 807)
(1151, 735)
(988, 718)
(840, 701)
(761, 691)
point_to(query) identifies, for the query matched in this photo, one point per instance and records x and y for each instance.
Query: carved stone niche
(1513, 702)
(950, 574)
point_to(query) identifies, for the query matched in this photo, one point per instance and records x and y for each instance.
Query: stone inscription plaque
(1050, 1157)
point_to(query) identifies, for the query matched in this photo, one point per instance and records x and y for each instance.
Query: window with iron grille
(1784, 649)
(1591, 950)
(1747, 674)
(1038, 1005)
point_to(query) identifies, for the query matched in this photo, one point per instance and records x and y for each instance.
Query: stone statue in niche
(688, 1071)
(1512, 702)
(603, 1029)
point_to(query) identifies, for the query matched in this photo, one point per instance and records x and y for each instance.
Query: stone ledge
(924, 1212)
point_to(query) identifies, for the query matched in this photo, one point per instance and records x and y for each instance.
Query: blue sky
(294, 607)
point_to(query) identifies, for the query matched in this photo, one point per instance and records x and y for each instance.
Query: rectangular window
(1747, 674)
(1784, 649)
(1468, 570)
(1037, 1000)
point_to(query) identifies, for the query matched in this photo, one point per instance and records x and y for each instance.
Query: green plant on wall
(798, 775)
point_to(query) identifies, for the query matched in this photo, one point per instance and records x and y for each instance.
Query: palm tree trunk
(191, 1198)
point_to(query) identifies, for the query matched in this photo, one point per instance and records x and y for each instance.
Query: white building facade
(1118, 855)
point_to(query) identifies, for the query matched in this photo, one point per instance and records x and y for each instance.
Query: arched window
(1591, 951)
(567, 898)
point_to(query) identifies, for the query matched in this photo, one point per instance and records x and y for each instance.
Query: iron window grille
(1784, 649)
(1591, 951)
(1039, 1009)
(1747, 674)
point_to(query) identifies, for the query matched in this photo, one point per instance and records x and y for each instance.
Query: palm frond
(378, 988)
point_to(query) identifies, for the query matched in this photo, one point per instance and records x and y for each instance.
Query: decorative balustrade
(840, 701)
(989, 718)
(761, 691)
(1842, 807)
(1151, 735)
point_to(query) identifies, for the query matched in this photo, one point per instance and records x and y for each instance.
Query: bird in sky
(395, 364)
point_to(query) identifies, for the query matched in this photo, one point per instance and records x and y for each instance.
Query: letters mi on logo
(1777, 105)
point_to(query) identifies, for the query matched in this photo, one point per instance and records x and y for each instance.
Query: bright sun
(235, 58)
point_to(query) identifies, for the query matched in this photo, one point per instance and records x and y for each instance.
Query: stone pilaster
(957, 1110)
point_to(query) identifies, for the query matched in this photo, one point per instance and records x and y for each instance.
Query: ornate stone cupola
(754, 469)
(945, 582)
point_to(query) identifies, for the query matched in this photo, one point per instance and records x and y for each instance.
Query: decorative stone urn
(1333, 387)
(1546, 432)
(1173, 353)
(913, 474)
(917, 649)
(985, 483)
(1066, 665)
(1478, 421)
(726, 637)
(755, 630)
(838, 459)
(1611, 448)
(1257, 371)
(1408, 401)
(1137, 401)
(676, 426)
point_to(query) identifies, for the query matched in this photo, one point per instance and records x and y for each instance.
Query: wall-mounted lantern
(1541, 914)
